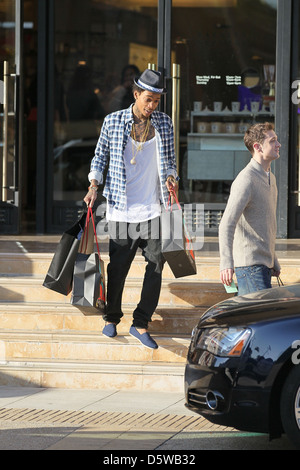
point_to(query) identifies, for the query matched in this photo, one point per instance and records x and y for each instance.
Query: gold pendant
(139, 146)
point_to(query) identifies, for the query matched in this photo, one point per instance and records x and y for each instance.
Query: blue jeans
(253, 278)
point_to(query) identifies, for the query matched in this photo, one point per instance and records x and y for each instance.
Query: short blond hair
(256, 133)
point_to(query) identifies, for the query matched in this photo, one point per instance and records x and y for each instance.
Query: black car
(243, 364)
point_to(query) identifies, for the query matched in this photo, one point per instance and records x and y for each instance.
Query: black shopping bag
(60, 273)
(177, 247)
(88, 290)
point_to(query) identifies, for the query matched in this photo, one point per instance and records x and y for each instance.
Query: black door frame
(45, 112)
(164, 50)
(293, 207)
(10, 211)
(283, 111)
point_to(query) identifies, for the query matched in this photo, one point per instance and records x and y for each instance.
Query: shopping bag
(88, 290)
(177, 246)
(60, 273)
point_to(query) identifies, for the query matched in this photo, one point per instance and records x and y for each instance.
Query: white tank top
(142, 184)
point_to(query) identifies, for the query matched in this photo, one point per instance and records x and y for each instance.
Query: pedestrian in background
(247, 232)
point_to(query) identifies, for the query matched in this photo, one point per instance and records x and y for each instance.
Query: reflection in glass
(227, 60)
(99, 49)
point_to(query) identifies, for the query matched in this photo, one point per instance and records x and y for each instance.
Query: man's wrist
(171, 180)
(93, 187)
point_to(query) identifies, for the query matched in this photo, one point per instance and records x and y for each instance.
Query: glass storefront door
(98, 50)
(227, 55)
(10, 112)
(225, 58)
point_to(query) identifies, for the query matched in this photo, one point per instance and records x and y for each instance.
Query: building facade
(65, 64)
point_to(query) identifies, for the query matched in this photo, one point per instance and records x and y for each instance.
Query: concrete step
(45, 316)
(125, 375)
(89, 347)
(45, 341)
(178, 292)
(37, 264)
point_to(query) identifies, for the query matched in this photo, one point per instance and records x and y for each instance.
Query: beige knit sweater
(247, 232)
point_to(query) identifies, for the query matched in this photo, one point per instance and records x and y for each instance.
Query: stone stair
(47, 342)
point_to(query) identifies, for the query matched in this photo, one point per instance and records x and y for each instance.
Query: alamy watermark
(185, 223)
(296, 353)
(296, 93)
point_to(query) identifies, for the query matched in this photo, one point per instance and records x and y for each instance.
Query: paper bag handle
(87, 220)
(173, 193)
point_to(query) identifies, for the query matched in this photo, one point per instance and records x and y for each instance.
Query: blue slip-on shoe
(144, 338)
(110, 330)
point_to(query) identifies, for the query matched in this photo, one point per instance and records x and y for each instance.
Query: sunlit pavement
(34, 436)
(234, 440)
(114, 420)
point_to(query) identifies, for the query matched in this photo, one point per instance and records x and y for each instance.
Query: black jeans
(125, 239)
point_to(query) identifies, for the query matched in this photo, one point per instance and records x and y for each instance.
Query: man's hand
(275, 273)
(226, 276)
(91, 195)
(171, 184)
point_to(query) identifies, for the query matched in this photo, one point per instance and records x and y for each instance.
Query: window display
(227, 60)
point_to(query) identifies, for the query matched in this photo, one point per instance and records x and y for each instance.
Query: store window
(99, 49)
(227, 64)
(226, 52)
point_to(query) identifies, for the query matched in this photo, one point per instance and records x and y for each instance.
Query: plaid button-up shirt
(111, 144)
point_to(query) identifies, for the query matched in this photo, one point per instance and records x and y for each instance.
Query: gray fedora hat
(151, 80)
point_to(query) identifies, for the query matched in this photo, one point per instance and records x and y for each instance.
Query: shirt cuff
(173, 173)
(95, 175)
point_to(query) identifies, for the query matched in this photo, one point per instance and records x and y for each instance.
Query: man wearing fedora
(139, 144)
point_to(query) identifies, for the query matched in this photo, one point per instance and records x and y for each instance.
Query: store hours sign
(230, 79)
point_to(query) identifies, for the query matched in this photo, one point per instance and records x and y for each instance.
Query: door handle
(5, 131)
(5, 127)
(176, 108)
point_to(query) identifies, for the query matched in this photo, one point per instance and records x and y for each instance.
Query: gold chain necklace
(139, 145)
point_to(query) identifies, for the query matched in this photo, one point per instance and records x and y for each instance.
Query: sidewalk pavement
(88, 419)
(113, 420)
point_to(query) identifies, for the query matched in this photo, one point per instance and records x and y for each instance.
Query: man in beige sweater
(247, 231)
